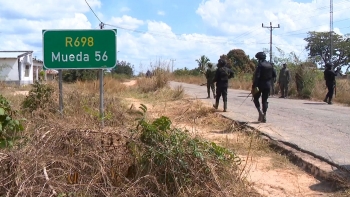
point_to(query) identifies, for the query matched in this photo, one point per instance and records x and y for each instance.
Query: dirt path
(270, 174)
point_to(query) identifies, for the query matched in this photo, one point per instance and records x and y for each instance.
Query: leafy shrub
(124, 68)
(9, 127)
(79, 75)
(39, 96)
(176, 159)
(307, 80)
(159, 80)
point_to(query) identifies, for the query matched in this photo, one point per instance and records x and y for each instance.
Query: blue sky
(151, 30)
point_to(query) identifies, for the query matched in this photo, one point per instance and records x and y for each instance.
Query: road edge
(311, 163)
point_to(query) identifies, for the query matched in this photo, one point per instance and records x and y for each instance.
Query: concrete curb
(315, 165)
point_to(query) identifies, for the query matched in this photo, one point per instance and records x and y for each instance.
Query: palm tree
(202, 62)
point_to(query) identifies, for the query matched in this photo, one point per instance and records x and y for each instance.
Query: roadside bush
(79, 75)
(124, 68)
(9, 126)
(159, 80)
(180, 164)
(40, 96)
(185, 71)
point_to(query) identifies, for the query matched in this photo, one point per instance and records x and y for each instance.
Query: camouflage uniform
(210, 75)
(272, 91)
(283, 81)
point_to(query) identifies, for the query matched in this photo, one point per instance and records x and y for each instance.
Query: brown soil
(21, 93)
(130, 83)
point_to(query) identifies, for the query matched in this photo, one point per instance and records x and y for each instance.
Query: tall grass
(71, 155)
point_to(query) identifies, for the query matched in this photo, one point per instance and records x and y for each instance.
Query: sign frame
(70, 64)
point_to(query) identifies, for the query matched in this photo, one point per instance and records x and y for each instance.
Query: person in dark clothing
(222, 75)
(263, 76)
(148, 74)
(283, 81)
(272, 92)
(210, 74)
(329, 76)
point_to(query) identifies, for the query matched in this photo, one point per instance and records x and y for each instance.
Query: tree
(124, 67)
(202, 62)
(289, 58)
(318, 44)
(239, 61)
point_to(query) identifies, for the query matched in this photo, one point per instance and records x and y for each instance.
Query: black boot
(225, 106)
(326, 99)
(208, 94)
(216, 105)
(261, 115)
(264, 118)
(330, 101)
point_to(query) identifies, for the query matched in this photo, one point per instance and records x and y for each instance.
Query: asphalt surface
(314, 127)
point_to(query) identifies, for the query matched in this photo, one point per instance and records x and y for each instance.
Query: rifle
(335, 89)
(246, 99)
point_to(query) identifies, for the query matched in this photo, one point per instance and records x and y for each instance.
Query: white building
(19, 67)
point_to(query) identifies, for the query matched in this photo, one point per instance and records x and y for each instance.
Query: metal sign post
(60, 91)
(101, 99)
(80, 49)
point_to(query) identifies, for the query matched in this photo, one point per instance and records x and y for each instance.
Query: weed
(40, 96)
(9, 127)
(175, 159)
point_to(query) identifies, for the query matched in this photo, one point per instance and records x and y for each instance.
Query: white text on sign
(80, 57)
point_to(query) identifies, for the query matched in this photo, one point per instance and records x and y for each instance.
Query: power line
(93, 11)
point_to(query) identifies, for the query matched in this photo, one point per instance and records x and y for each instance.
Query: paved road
(316, 127)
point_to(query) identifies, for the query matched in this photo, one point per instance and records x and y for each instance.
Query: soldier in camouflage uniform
(210, 74)
(283, 81)
(222, 75)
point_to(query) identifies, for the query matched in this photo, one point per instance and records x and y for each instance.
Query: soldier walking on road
(283, 81)
(264, 74)
(210, 74)
(222, 75)
(329, 76)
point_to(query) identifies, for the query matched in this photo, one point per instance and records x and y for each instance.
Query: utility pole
(172, 64)
(271, 28)
(331, 31)
(101, 90)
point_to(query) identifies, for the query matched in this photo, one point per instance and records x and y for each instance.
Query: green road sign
(80, 49)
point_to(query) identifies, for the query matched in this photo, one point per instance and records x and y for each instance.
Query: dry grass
(190, 79)
(244, 82)
(71, 155)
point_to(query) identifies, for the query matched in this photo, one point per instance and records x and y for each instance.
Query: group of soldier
(263, 82)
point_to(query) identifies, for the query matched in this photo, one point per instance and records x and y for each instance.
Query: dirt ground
(268, 175)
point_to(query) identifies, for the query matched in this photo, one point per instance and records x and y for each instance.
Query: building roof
(52, 72)
(12, 54)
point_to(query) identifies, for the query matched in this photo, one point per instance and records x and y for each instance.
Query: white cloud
(154, 26)
(162, 13)
(45, 10)
(126, 22)
(22, 21)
